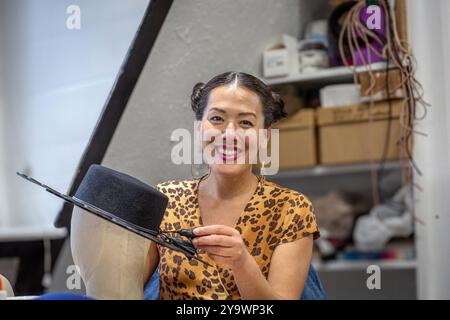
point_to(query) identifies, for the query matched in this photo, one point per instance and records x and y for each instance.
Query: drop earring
(262, 172)
(199, 170)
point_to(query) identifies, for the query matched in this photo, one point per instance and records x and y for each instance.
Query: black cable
(388, 132)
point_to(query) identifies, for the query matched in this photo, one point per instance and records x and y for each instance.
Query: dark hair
(273, 105)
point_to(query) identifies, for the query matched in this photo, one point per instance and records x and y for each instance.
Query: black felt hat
(117, 197)
(122, 197)
(127, 202)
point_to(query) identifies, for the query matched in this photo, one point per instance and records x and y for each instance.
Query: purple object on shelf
(371, 16)
(371, 54)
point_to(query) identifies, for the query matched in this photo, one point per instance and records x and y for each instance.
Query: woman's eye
(246, 123)
(215, 119)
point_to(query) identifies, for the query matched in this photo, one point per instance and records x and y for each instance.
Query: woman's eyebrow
(247, 114)
(239, 114)
(217, 109)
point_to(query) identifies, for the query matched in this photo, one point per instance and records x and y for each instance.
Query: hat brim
(146, 233)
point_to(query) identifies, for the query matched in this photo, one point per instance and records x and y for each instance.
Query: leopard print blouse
(274, 215)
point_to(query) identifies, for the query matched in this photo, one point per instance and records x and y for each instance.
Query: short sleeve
(299, 220)
(162, 186)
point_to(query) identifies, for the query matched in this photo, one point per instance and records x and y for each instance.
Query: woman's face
(233, 114)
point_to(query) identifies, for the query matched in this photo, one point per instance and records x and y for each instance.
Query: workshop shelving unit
(320, 179)
(326, 76)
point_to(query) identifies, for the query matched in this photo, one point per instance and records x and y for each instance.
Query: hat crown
(122, 196)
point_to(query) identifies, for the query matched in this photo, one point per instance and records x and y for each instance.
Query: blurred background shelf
(326, 76)
(347, 265)
(328, 170)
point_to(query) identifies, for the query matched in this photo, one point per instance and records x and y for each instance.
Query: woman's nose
(231, 126)
(233, 135)
(230, 135)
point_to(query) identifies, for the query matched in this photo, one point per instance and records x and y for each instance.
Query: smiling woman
(255, 235)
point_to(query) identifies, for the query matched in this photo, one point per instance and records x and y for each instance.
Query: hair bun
(196, 96)
(279, 106)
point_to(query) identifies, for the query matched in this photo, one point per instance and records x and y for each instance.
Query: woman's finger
(219, 259)
(215, 229)
(213, 240)
(221, 251)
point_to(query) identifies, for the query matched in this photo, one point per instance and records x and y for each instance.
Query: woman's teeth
(228, 151)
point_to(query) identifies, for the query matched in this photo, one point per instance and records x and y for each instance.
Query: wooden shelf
(325, 170)
(326, 76)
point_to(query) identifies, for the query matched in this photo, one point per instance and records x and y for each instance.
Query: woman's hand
(223, 244)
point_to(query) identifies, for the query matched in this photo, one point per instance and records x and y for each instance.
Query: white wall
(428, 29)
(55, 82)
(199, 39)
(3, 198)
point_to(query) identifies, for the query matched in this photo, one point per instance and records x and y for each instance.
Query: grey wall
(198, 40)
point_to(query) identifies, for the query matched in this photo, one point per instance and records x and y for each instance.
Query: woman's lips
(228, 153)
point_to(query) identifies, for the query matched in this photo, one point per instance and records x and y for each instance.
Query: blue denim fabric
(313, 287)
(151, 290)
(63, 296)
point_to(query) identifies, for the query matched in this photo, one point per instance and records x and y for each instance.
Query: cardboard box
(347, 136)
(281, 59)
(376, 89)
(298, 140)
